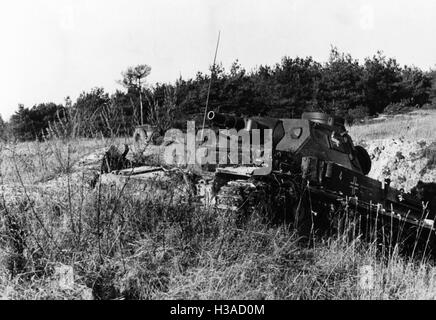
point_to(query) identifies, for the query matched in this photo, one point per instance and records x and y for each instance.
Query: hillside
(402, 147)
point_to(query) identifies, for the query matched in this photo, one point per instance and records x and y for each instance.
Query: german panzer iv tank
(317, 173)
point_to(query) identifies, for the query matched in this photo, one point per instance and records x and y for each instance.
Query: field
(62, 238)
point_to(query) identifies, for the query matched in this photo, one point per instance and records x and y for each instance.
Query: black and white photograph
(217, 155)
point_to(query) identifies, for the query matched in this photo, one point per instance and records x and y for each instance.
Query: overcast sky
(51, 49)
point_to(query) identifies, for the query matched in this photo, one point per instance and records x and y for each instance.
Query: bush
(403, 106)
(341, 86)
(357, 114)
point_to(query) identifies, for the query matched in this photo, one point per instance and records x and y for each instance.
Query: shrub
(357, 114)
(403, 106)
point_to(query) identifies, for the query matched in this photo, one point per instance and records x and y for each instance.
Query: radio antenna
(210, 85)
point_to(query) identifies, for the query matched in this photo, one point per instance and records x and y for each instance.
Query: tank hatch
(324, 118)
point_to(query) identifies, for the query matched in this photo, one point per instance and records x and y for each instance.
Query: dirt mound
(403, 161)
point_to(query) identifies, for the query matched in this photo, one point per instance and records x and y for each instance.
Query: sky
(51, 49)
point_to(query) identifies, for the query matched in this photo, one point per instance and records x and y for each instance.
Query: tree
(416, 86)
(18, 123)
(28, 124)
(293, 84)
(382, 82)
(127, 115)
(432, 75)
(90, 106)
(133, 80)
(341, 85)
(3, 129)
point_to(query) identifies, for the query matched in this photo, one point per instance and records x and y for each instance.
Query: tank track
(233, 195)
(271, 201)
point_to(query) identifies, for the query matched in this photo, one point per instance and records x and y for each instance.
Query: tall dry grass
(417, 125)
(125, 247)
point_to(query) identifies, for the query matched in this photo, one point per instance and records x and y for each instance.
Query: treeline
(342, 86)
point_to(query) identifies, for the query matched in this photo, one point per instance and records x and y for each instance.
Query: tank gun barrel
(226, 121)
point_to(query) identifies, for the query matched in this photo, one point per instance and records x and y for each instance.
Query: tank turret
(315, 134)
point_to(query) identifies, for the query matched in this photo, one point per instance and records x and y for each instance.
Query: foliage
(123, 245)
(342, 86)
(161, 115)
(4, 129)
(356, 114)
(416, 86)
(30, 124)
(90, 106)
(432, 76)
(133, 76)
(133, 80)
(399, 107)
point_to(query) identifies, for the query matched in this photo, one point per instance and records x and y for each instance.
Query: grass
(417, 125)
(120, 246)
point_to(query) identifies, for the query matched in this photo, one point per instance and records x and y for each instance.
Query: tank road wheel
(263, 201)
(228, 204)
(364, 159)
(230, 197)
(275, 203)
(244, 198)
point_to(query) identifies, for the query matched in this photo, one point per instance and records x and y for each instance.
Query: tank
(315, 177)
(315, 134)
(317, 171)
